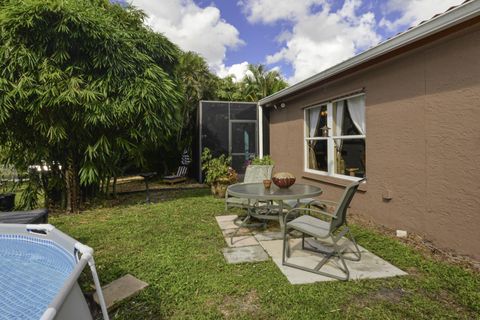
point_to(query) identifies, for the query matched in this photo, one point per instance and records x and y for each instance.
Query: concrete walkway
(256, 246)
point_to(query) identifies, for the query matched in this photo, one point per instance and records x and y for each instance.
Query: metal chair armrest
(309, 210)
(327, 202)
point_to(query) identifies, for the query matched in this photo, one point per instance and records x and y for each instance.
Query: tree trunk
(107, 186)
(46, 189)
(114, 186)
(73, 186)
(101, 184)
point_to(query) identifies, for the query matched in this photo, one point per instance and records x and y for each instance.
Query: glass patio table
(257, 191)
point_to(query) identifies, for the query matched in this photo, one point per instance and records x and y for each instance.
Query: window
(335, 138)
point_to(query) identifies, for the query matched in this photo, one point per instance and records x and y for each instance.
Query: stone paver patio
(253, 246)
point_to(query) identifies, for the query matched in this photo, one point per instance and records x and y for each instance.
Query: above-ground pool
(39, 268)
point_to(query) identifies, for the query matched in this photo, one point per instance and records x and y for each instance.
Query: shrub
(217, 169)
(266, 160)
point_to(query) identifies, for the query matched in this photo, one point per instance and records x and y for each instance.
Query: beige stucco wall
(423, 140)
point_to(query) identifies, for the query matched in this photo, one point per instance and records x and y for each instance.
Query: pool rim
(83, 256)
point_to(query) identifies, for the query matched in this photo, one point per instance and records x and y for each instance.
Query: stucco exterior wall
(423, 140)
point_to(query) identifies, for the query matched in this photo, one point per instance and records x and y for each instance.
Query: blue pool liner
(32, 272)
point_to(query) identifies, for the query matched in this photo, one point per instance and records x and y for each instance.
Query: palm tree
(228, 90)
(260, 83)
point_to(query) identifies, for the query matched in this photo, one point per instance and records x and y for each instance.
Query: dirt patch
(249, 304)
(393, 295)
(421, 244)
(137, 184)
(397, 295)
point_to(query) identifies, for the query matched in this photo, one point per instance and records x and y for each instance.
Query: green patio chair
(333, 227)
(306, 202)
(253, 174)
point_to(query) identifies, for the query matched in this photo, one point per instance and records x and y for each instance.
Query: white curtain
(313, 123)
(339, 118)
(340, 108)
(356, 108)
(314, 116)
(339, 123)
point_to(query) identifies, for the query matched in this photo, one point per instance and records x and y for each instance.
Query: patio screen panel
(229, 128)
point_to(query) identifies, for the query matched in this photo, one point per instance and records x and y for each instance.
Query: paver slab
(241, 241)
(274, 248)
(240, 232)
(226, 222)
(230, 217)
(369, 267)
(268, 235)
(120, 289)
(245, 254)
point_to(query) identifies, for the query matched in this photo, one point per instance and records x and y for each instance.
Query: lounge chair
(181, 176)
(309, 224)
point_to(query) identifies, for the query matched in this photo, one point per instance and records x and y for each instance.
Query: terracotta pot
(267, 183)
(283, 179)
(219, 188)
(213, 188)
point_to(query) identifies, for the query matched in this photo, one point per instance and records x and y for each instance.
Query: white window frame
(330, 141)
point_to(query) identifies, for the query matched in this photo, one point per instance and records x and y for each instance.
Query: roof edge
(462, 13)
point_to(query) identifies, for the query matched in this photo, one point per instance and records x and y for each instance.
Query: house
(406, 114)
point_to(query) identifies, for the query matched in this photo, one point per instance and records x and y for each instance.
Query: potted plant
(218, 172)
(264, 161)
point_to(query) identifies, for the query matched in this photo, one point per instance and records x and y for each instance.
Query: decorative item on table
(283, 179)
(267, 183)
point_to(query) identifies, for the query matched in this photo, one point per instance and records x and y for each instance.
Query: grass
(175, 246)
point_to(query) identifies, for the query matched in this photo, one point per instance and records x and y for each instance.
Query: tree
(260, 83)
(228, 90)
(196, 83)
(83, 86)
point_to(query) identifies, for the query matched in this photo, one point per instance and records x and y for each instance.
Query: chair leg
(321, 273)
(340, 255)
(357, 254)
(316, 270)
(244, 223)
(286, 246)
(252, 225)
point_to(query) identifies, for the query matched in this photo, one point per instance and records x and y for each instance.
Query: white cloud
(238, 71)
(192, 28)
(412, 12)
(269, 11)
(319, 39)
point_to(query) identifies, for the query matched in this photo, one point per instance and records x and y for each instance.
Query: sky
(299, 38)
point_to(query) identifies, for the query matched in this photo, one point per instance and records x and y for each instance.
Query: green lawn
(175, 246)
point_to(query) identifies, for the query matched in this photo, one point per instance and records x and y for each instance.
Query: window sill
(332, 180)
